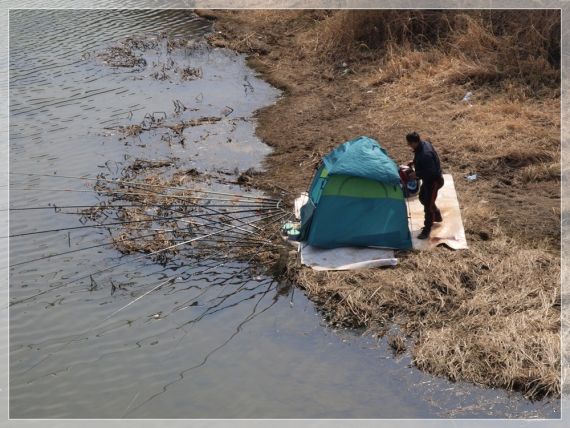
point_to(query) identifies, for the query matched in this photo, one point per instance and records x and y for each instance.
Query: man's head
(413, 139)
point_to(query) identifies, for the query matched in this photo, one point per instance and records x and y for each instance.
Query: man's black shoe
(425, 234)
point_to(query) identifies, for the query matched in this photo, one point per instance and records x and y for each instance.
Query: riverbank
(489, 315)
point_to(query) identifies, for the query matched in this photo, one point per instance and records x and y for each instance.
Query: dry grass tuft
(541, 172)
(131, 130)
(397, 344)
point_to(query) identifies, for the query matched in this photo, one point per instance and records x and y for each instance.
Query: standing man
(428, 169)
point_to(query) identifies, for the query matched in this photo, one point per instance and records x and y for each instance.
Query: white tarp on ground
(449, 232)
(346, 258)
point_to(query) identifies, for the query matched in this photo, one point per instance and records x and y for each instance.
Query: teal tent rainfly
(356, 200)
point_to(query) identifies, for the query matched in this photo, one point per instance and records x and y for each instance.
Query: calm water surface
(245, 346)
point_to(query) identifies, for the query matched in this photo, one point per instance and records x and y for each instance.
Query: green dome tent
(355, 199)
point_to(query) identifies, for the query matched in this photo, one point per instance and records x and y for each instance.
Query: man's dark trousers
(427, 196)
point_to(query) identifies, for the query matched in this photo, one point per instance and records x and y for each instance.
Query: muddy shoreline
(489, 315)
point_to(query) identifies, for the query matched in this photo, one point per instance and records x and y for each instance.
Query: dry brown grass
(478, 46)
(565, 332)
(397, 343)
(131, 130)
(491, 314)
(541, 172)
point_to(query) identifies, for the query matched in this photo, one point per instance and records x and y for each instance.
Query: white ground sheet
(449, 232)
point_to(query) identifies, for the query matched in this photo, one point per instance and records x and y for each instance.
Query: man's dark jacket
(426, 162)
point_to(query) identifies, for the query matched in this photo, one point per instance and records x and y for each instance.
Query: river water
(245, 347)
